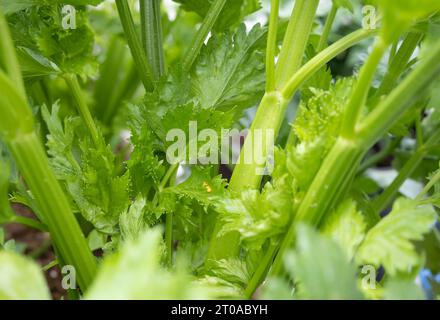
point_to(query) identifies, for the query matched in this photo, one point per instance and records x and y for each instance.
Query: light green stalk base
(248, 175)
(270, 115)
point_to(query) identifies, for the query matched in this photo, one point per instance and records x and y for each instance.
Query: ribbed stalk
(109, 71)
(399, 62)
(295, 40)
(340, 165)
(248, 174)
(8, 57)
(200, 37)
(53, 206)
(401, 98)
(272, 45)
(329, 185)
(83, 109)
(270, 115)
(151, 30)
(386, 197)
(323, 41)
(362, 87)
(139, 57)
(126, 88)
(318, 61)
(17, 128)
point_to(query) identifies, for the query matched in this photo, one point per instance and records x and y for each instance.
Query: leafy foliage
(232, 14)
(213, 102)
(321, 268)
(389, 242)
(111, 182)
(346, 226)
(230, 71)
(45, 46)
(257, 216)
(16, 272)
(145, 273)
(99, 192)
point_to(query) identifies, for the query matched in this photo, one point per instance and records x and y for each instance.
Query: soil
(37, 244)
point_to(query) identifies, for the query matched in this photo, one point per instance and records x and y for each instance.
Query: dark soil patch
(38, 246)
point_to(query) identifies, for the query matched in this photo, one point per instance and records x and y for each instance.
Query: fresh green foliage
(46, 46)
(13, 6)
(257, 216)
(389, 242)
(400, 16)
(232, 14)
(98, 191)
(332, 276)
(142, 257)
(238, 67)
(346, 226)
(16, 273)
(93, 113)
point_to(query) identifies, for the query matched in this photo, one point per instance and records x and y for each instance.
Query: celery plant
(116, 133)
(18, 128)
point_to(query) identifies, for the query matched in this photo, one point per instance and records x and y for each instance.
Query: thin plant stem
(8, 57)
(83, 109)
(323, 41)
(200, 37)
(359, 96)
(272, 45)
(295, 40)
(139, 57)
(29, 223)
(151, 28)
(429, 186)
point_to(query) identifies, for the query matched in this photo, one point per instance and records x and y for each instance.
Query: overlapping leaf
(230, 70)
(400, 15)
(389, 243)
(321, 268)
(346, 226)
(40, 34)
(232, 14)
(257, 216)
(99, 192)
(146, 278)
(21, 279)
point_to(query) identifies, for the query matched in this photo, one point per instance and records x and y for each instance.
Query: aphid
(207, 187)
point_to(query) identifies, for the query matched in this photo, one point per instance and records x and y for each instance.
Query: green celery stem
(295, 41)
(246, 175)
(329, 185)
(343, 160)
(386, 197)
(54, 206)
(360, 92)
(198, 40)
(272, 45)
(83, 109)
(269, 116)
(139, 57)
(169, 237)
(151, 27)
(323, 41)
